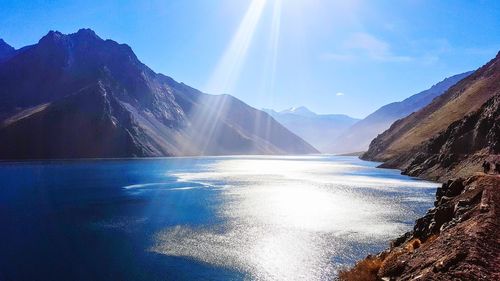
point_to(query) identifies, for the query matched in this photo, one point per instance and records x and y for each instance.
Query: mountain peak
(51, 37)
(85, 34)
(4, 45)
(132, 112)
(86, 31)
(301, 110)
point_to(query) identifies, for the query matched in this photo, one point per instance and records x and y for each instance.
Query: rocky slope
(78, 95)
(316, 129)
(456, 240)
(460, 100)
(458, 151)
(358, 137)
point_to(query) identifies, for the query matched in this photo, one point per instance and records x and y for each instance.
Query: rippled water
(212, 218)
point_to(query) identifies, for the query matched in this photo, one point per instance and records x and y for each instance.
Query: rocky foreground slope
(79, 96)
(457, 240)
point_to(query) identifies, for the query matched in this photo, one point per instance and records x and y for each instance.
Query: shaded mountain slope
(460, 100)
(88, 123)
(80, 96)
(6, 51)
(316, 129)
(359, 136)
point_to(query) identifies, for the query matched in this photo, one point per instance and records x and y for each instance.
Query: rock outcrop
(456, 240)
(79, 96)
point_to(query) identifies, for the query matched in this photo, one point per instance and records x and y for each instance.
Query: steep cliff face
(460, 100)
(78, 95)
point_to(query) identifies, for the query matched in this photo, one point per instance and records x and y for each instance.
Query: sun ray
(275, 38)
(271, 65)
(228, 70)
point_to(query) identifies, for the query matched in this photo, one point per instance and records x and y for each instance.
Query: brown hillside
(460, 100)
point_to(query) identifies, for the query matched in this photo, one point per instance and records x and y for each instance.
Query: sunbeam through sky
(227, 71)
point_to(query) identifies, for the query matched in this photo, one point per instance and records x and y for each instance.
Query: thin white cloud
(367, 43)
(338, 57)
(339, 94)
(362, 45)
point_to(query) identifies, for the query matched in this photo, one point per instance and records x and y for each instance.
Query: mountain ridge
(120, 99)
(464, 98)
(358, 137)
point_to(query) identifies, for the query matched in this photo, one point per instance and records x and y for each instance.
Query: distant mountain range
(79, 96)
(317, 129)
(358, 137)
(451, 136)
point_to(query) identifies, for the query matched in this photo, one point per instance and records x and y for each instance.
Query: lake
(205, 218)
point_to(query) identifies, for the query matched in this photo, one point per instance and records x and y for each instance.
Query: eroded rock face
(459, 151)
(456, 240)
(470, 141)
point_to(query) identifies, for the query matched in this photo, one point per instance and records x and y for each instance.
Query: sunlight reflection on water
(290, 218)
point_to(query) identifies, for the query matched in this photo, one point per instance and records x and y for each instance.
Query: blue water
(209, 218)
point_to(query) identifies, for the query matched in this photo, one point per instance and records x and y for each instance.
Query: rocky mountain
(450, 138)
(452, 135)
(358, 137)
(461, 149)
(6, 51)
(78, 95)
(316, 129)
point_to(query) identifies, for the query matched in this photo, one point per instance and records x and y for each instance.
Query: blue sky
(332, 56)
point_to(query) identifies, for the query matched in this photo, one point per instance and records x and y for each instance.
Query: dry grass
(431, 238)
(413, 244)
(365, 270)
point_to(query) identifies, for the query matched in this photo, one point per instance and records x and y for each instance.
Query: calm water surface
(213, 218)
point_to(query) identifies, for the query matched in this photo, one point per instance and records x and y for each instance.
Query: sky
(332, 56)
